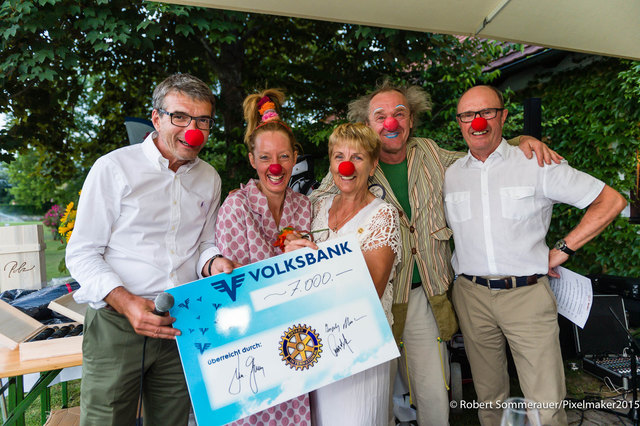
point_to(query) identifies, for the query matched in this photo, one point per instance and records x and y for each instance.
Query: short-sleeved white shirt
(500, 210)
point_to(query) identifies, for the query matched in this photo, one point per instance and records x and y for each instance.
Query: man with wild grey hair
(410, 176)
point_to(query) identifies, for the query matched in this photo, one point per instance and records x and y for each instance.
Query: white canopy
(601, 27)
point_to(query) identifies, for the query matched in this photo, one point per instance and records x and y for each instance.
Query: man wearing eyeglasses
(499, 204)
(144, 214)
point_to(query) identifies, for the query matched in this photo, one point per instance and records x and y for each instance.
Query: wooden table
(14, 369)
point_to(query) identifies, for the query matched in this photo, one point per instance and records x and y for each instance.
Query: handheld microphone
(164, 302)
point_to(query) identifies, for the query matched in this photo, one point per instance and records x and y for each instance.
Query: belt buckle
(501, 284)
(508, 285)
(493, 287)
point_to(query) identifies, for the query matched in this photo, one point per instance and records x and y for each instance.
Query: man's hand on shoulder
(544, 155)
(139, 312)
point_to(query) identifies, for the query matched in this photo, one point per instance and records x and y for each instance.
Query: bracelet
(211, 262)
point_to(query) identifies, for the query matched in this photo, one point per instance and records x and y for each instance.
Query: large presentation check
(279, 328)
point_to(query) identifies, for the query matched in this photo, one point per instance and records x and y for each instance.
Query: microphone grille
(164, 302)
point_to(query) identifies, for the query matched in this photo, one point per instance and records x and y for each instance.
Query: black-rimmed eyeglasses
(487, 114)
(183, 120)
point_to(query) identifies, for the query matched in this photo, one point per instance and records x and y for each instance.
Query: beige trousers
(427, 361)
(526, 318)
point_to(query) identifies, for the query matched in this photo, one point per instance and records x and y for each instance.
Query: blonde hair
(255, 125)
(356, 134)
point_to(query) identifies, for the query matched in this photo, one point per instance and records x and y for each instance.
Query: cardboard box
(67, 306)
(22, 263)
(64, 417)
(17, 328)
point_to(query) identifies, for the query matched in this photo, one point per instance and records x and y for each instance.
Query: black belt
(416, 285)
(504, 283)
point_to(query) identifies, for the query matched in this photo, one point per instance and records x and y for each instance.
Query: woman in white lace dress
(362, 399)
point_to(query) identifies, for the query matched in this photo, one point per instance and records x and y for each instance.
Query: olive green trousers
(111, 366)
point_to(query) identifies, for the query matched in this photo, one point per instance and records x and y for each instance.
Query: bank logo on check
(223, 287)
(300, 347)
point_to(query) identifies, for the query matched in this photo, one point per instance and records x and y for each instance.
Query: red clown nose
(390, 124)
(346, 168)
(479, 124)
(194, 137)
(275, 169)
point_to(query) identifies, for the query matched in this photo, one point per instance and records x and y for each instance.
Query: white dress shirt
(142, 226)
(500, 210)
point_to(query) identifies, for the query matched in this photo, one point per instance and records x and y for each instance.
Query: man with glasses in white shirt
(144, 216)
(499, 205)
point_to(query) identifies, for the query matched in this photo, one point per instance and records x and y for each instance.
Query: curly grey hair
(418, 102)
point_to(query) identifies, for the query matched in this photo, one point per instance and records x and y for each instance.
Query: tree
(71, 71)
(592, 117)
(26, 188)
(31, 188)
(4, 183)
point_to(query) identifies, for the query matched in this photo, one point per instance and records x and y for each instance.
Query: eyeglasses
(487, 114)
(183, 120)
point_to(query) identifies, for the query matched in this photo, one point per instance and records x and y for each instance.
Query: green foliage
(71, 71)
(30, 185)
(54, 56)
(4, 183)
(26, 188)
(446, 83)
(14, 209)
(591, 116)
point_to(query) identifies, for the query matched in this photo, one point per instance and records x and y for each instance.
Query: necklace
(347, 218)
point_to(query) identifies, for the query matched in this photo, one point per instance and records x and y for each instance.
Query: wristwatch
(562, 246)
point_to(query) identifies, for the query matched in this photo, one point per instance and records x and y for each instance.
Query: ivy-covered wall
(591, 116)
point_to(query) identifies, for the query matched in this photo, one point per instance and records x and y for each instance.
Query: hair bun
(263, 101)
(267, 109)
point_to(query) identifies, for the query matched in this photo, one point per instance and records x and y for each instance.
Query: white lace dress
(361, 399)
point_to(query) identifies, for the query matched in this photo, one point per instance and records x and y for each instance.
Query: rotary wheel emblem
(300, 347)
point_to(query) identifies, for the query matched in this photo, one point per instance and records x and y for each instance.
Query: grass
(54, 253)
(32, 415)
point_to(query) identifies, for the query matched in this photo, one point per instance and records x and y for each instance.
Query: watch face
(560, 244)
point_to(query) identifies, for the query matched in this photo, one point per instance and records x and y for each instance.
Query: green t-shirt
(398, 177)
